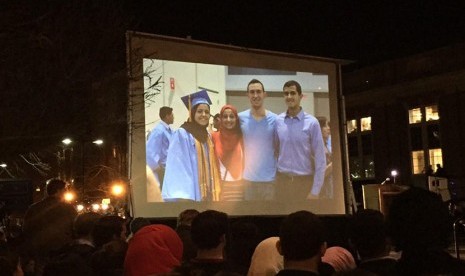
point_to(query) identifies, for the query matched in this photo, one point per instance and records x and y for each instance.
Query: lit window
(366, 123)
(418, 159)
(351, 126)
(432, 113)
(360, 148)
(435, 157)
(414, 115)
(425, 135)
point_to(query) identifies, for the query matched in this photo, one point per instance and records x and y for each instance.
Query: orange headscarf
(228, 145)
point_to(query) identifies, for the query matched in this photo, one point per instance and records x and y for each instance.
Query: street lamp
(67, 141)
(98, 142)
(4, 169)
(117, 189)
(69, 196)
(80, 207)
(76, 168)
(394, 174)
(65, 159)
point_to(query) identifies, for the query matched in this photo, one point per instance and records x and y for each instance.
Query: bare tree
(56, 60)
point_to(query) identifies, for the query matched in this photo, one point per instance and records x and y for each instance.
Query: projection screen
(163, 69)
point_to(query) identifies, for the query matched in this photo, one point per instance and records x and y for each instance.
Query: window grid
(366, 124)
(415, 115)
(361, 163)
(418, 160)
(424, 138)
(435, 157)
(432, 113)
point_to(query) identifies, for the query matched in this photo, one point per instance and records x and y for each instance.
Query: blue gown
(181, 174)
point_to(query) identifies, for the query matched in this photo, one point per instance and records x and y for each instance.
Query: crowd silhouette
(412, 240)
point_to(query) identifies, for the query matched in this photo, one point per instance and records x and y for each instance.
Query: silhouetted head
(419, 220)
(302, 236)
(209, 228)
(55, 186)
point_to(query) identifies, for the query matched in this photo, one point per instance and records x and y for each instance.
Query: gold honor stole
(209, 174)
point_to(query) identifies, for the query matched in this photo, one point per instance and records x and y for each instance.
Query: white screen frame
(142, 45)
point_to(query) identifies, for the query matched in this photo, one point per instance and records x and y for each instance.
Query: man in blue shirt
(301, 159)
(158, 143)
(258, 127)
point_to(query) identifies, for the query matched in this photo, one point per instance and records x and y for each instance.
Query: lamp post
(73, 169)
(65, 159)
(118, 191)
(3, 167)
(394, 174)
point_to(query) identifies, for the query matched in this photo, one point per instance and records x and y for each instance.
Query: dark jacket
(48, 226)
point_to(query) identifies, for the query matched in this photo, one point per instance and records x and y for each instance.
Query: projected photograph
(238, 131)
(268, 140)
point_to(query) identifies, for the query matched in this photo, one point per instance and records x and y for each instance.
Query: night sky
(53, 51)
(367, 31)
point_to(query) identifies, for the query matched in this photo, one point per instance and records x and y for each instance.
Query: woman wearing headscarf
(154, 249)
(191, 167)
(229, 151)
(327, 189)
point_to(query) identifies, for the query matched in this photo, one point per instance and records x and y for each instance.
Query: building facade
(408, 115)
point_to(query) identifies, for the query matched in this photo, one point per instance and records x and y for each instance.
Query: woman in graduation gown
(191, 166)
(229, 151)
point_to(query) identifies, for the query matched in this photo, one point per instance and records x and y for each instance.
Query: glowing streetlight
(117, 189)
(95, 207)
(80, 207)
(394, 174)
(67, 141)
(98, 142)
(69, 196)
(3, 165)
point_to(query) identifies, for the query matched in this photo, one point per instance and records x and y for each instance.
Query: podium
(387, 193)
(379, 197)
(370, 194)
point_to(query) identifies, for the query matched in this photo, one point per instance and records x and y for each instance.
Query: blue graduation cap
(200, 97)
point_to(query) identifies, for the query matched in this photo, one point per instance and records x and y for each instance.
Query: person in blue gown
(191, 167)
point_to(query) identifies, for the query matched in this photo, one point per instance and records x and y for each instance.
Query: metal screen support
(457, 222)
